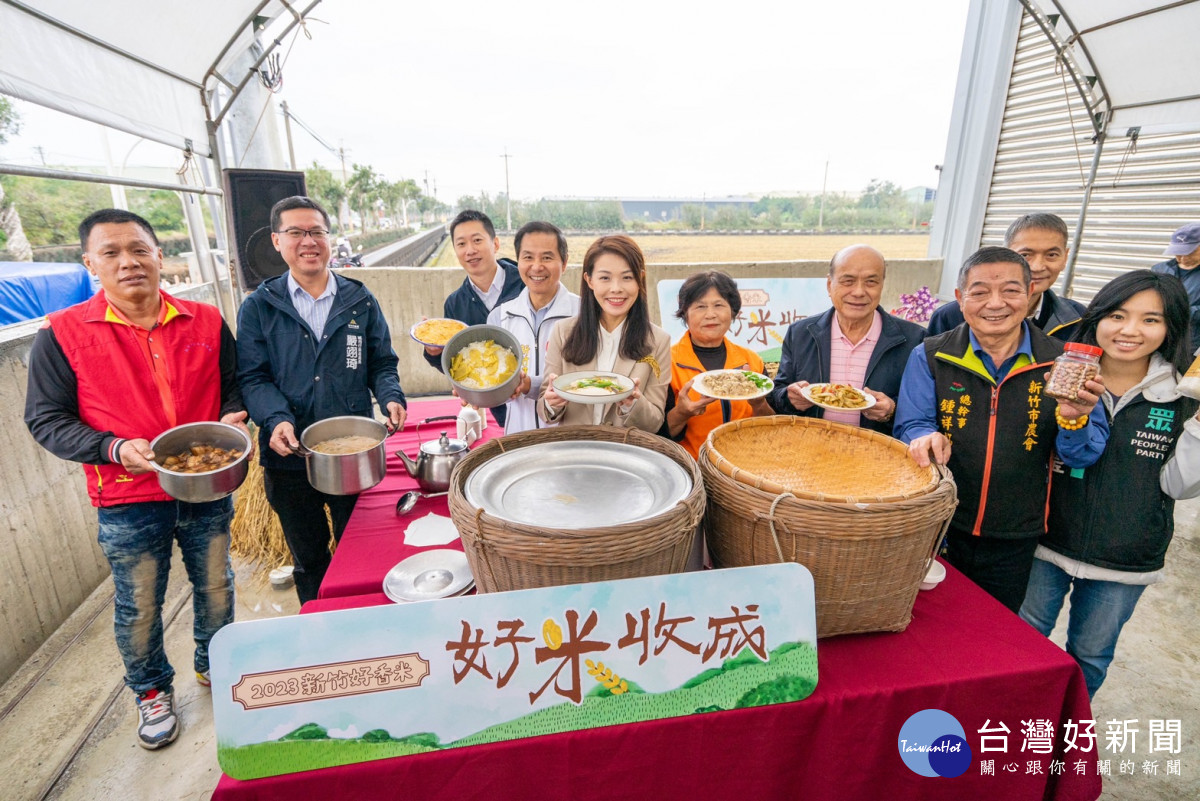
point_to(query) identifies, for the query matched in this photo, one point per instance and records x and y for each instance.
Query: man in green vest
(972, 399)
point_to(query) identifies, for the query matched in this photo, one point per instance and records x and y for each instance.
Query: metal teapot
(436, 460)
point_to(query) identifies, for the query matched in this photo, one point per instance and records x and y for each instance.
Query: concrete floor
(67, 723)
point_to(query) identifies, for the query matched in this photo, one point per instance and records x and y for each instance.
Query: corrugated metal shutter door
(1143, 191)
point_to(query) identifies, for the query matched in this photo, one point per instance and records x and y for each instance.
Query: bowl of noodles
(483, 363)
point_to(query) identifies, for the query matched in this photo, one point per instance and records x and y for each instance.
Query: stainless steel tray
(438, 573)
(578, 484)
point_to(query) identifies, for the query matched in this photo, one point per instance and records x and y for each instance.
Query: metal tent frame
(215, 91)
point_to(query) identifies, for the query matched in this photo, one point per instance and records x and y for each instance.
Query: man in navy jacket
(870, 349)
(311, 345)
(489, 282)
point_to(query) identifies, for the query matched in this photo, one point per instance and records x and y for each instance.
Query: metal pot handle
(432, 420)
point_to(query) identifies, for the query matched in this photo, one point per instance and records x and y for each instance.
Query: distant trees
(574, 215)
(325, 189)
(12, 233)
(882, 204)
(369, 194)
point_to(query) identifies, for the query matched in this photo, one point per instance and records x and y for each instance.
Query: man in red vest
(105, 377)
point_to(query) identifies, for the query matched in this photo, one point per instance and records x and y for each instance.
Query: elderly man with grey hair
(854, 342)
(972, 399)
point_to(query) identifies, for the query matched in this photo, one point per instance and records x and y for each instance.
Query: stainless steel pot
(493, 396)
(201, 487)
(344, 473)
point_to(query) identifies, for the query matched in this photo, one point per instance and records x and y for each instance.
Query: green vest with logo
(1114, 514)
(1001, 436)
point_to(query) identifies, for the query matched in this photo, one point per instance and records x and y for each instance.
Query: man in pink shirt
(854, 342)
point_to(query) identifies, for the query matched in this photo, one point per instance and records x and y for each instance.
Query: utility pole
(821, 215)
(344, 211)
(507, 193)
(287, 127)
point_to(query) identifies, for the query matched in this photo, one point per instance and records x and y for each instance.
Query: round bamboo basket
(505, 555)
(850, 505)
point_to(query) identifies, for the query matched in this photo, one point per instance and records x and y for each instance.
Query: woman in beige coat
(613, 334)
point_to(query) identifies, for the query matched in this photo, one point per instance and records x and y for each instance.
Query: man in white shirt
(531, 316)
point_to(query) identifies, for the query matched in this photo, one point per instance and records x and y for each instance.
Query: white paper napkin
(430, 530)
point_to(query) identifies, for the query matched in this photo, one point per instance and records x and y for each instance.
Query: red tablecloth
(374, 538)
(963, 653)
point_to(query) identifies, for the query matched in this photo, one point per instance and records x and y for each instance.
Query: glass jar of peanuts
(1078, 364)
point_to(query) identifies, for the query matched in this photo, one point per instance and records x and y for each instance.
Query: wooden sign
(312, 691)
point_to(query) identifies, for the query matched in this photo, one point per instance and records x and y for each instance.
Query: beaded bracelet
(1070, 425)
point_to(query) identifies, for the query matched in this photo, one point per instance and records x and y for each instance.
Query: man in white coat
(531, 316)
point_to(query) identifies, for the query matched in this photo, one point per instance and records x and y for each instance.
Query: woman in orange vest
(708, 304)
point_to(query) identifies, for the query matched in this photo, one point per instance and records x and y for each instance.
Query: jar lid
(1079, 347)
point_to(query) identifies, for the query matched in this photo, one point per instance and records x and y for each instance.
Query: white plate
(700, 384)
(807, 392)
(438, 573)
(563, 381)
(412, 332)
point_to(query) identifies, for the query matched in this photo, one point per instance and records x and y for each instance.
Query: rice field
(691, 249)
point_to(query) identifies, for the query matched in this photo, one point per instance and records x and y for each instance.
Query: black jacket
(464, 305)
(1060, 316)
(1002, 435)
(806, 358)
(1114, 514)
(287, 376)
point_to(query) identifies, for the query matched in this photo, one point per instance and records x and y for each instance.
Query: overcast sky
(615, 99)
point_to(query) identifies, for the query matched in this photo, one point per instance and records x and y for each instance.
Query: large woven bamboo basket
(506, 555)
(848, 504)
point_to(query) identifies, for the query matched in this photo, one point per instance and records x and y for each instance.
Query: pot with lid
(436, 460)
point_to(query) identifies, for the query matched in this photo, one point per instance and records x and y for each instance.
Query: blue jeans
(1099, 609)
(137, 540)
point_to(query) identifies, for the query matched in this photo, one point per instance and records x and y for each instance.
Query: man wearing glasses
(311, 345)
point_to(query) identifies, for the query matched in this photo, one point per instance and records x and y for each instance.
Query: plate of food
(435, 333)
(732, 384)
(838, 397)
(591, 386)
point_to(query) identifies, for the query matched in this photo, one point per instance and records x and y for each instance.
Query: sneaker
(157, 724)
(203, 678)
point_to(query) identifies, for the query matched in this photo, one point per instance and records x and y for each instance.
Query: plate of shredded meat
(732, 384)
(838, 397)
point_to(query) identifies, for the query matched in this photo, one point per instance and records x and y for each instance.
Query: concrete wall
(408, 293)
(50, 560)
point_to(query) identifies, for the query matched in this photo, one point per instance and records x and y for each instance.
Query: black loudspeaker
(249, 196)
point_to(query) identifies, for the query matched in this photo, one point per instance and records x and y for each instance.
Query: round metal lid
(443, 445)
(578, 484)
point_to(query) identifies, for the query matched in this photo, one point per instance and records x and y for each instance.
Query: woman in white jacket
(531, 316)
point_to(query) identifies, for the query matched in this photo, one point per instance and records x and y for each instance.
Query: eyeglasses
(298, 234)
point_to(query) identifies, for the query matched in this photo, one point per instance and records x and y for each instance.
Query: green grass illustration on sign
(743, 681)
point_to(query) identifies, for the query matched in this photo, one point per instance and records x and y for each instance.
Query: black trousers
(301, 510)
(999, 566)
